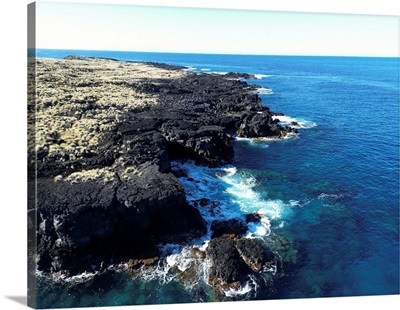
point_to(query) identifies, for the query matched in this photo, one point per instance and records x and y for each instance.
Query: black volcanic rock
(254, 217)
(259, 125)
(116, 219)
(207, 145)
(255, 255)
(227, 266)
(236, 75)
(118, 200)
(166, 66)
(234, 259)
(228, 227)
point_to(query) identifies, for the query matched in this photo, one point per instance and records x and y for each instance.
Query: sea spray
(226, 194)
(188, 264)
(220, 194)
(264, 91)
(302, 123)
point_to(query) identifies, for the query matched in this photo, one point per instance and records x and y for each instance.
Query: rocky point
(105, 135)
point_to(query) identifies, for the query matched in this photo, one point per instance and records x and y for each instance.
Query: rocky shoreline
(106, 132)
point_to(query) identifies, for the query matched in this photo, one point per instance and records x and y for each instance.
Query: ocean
(329, 196)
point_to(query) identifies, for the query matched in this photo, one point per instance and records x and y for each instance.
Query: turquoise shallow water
(332, 193)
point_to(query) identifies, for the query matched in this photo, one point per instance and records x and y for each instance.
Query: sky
(222, 31)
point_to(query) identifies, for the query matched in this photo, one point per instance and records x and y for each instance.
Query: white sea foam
(241, 188)
(290, 135)
(258, 142)
(261, 76)
(263, 142)
(235, 194)
(335, 197)
(182, 260)
(205, 69)
(281, 224)
(258, 229)
(231, 194)
(204, 246)
(59, 277)
(230, 292)
(230, 170)
(208, 185)
(294, 122)
(261, 139)
(159, 272)
(250, 286)
(264, 91)
(81, 278)
(294, 203)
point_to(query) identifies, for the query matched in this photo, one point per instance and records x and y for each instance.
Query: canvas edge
(31, 184)
(31, 158)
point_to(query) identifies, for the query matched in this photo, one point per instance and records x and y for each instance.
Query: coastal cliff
(105, 135)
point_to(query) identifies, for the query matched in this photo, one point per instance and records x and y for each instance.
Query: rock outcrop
(228, 227)
(234, 259)
(106, 134)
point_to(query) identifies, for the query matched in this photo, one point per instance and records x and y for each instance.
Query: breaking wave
(261, 76)
(264, 91)
(294, 122)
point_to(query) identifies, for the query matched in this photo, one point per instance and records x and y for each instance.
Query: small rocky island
(103, 135)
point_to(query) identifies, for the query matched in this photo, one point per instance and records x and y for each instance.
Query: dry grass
(104, 175)
(79, 100)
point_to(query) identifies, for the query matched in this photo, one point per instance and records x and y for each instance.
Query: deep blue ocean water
(332, 192)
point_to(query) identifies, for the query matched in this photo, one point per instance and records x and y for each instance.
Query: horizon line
(215, 53)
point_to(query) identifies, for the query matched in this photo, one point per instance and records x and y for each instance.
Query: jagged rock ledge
(106, 132)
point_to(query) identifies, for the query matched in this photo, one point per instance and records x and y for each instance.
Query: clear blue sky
(158, 29)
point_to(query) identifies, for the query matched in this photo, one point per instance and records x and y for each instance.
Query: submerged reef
(105, 133)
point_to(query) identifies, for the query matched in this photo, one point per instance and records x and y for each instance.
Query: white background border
(13, 147)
